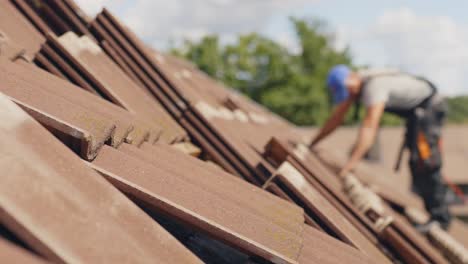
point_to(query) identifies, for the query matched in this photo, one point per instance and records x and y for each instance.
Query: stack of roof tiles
(98, 135)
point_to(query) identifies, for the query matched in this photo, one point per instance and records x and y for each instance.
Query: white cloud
(433, 46)
(158, 21)
(92, 7)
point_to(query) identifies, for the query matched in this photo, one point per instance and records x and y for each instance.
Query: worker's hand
(333, 122)
(345, 171)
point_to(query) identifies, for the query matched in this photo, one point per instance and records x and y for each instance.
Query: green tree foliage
(458, 109)
(290, 84)
(303, 98)
(207, 55)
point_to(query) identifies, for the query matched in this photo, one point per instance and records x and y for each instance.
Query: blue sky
(424, 37)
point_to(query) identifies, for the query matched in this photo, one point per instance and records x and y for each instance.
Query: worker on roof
(416, 100)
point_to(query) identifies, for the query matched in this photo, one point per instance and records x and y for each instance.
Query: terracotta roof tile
(52, 201)
(211, 210)
(320, 248)
(65, 105)
(216, 180)
(325, 210)
(115, 84)
(11, 253)
(158, 97)
(16, 33)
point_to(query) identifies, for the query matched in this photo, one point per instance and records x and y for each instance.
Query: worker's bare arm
(333, 121)
(366, 136)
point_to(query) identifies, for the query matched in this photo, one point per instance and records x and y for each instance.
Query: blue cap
(336, 83)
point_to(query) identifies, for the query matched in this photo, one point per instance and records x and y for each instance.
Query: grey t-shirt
(397, 90)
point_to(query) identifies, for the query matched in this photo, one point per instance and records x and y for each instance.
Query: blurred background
(278, 52)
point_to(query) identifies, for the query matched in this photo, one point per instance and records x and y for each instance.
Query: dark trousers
(424, 141)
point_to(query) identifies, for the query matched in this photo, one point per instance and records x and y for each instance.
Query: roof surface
(115, 152)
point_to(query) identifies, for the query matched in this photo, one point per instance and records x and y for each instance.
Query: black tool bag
(426, 121)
